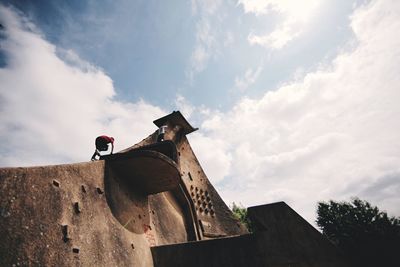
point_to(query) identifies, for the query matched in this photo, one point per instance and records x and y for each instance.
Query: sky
(296, 101)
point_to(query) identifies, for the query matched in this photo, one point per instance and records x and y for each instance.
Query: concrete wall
(84, 214)
(216, 219)
(213, 217)
(284, 239)
(59, 216)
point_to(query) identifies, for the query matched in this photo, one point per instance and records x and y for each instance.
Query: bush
(240, 213)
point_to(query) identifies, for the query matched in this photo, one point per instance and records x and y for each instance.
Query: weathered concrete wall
(284, 240)
(216, 219)
(213, 216)
(48, 211)
(59, 216)
(159, 217)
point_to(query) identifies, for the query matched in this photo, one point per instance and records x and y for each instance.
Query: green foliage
(367, 235)
(240, 213)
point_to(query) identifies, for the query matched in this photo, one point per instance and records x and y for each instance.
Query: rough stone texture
(40, 226)
(284, 239)
(215, 217)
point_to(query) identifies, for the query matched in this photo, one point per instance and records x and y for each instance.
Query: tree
(368, 236)
(240, 213)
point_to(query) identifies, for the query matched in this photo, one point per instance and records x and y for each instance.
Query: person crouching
(102, 143)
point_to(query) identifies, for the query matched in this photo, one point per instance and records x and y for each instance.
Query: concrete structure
(149, 205)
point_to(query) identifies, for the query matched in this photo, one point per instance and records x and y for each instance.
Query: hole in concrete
(206, 211)
(99, 190)
(209, 205)
(56, 183)
(206, 193)
(212, 212)
(140, 217)
(201, 209)
(197, 196)
(77, 208)
(132, 246)
(203, 197)
(190, 176)
(179, 153)
(83, 188)
(191, 187)
(75, 250)
(201, 191)
(64, 230)
(199, 202)
(196, 189)
(192, 194)
(208, 199)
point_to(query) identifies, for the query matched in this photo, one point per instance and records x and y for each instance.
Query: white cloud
(298, 9)
(295, 17)
(278, 38)
(184, 106)
(205, 7)
(51, 110)
(206, 43)
(249, 78)
(333, 135)
(212, 153)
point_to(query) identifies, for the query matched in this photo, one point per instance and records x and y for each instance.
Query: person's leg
(96, 153)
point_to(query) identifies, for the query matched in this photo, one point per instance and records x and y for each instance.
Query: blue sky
(295, 100)
(147, 47)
